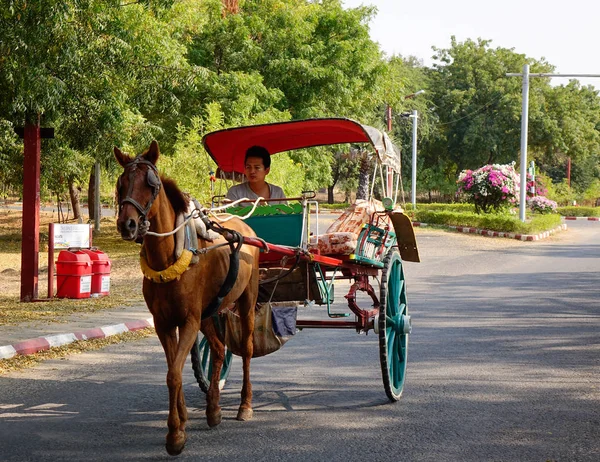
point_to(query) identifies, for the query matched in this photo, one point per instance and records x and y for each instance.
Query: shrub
(561, 193)
(457, 207)
(573, 211)
(491, 221)
(490, 188)
(541, 204)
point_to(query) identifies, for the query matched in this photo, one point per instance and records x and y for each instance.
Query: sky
(565, 33)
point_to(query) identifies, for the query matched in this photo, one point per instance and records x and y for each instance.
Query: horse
(149, 205)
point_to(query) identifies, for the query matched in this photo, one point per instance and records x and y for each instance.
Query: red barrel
(73, 274)
(100, 271)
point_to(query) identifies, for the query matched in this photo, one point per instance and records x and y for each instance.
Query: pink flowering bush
(490, 188)
(541, 204)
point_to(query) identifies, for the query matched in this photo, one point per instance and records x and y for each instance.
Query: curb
(488, 233)
(583, 218)
(36, 345)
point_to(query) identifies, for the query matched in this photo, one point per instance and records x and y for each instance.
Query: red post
(51, 260)
(30, 242)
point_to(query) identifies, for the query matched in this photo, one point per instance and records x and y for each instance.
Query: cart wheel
(202, 363)
(393, 326)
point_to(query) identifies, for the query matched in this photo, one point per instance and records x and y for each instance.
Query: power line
(482, 108)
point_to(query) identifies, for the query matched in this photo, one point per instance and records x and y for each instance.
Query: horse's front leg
(175, 437)
(217, 352)
(247, 305)
(176, 353)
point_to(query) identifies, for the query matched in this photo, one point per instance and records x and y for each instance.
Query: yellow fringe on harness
(168, 274)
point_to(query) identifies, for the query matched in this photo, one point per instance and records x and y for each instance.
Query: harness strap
(235, 243)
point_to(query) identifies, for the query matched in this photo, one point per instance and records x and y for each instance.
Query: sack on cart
(274, 325)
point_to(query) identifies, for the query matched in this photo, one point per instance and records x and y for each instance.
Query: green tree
(569, 127)
(315, 59)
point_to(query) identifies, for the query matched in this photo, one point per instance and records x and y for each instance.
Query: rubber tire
(202, 364)
(393, 342)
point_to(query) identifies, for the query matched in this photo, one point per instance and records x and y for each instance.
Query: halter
(153, 180)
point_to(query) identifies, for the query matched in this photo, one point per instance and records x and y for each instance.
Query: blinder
(153, 179)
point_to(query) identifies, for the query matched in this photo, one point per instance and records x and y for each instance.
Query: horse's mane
(179, 200)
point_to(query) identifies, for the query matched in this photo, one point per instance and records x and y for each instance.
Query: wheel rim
(202, 364)
(394, 326)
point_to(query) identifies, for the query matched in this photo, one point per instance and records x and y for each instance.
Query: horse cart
(365, 246)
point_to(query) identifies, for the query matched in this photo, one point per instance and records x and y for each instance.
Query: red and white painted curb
(486, 232)
(36, 345)
(583, 218)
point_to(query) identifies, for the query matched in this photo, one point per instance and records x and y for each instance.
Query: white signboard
(66, 236)
(105, 284)
(85, 284)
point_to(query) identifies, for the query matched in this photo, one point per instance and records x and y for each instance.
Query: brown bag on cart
(274, 325)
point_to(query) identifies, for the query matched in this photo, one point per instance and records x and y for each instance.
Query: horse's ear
(122, 158)
(153, 152)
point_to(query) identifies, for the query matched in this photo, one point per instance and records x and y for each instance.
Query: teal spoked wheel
(202, 363)
(393, 326)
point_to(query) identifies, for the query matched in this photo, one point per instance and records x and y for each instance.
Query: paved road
(504, 366)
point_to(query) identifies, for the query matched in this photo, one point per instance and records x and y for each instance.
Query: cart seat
(342, 235)
(276, 223)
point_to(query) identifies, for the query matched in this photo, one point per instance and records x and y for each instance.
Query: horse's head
(137, 188)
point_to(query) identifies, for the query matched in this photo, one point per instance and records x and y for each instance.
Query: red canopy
(228, 147)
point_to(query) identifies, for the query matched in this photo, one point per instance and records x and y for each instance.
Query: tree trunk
(362, 192)
(74, 193)
(330, 198)
(92, 194)
(230, 7)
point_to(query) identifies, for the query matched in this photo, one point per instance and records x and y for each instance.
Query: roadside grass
(126, 277)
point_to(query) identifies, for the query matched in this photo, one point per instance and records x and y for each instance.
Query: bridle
(153, 180)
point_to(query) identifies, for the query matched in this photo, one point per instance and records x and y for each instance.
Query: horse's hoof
(175, 444)
(245, 414)
(214, 419)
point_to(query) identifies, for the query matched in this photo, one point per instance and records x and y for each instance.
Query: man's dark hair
(259, 151)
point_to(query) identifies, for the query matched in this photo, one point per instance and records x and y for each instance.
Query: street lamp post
(413, 190)
(415, 117)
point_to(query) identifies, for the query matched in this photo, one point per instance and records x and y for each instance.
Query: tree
(569, 127)
(315, 59)
(478, 106)
(83, 67)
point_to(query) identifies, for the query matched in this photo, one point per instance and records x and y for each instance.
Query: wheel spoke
(391, 335)
(396, 364)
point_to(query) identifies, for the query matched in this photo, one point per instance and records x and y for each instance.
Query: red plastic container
(100, 271)
(73, 274)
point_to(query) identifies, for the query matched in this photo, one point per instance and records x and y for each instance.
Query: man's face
(255, 170)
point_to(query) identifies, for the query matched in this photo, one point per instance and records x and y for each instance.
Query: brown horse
(148, 202)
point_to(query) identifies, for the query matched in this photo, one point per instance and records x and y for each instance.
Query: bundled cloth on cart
(342, 235)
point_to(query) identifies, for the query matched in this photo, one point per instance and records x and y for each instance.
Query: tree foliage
(107, 72)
